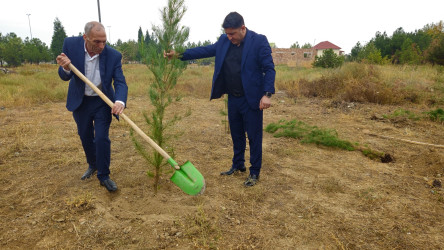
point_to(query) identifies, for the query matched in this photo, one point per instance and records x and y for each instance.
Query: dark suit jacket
(257, 67)
(110, 69)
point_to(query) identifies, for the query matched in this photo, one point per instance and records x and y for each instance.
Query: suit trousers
(93, 119)
(243, 119)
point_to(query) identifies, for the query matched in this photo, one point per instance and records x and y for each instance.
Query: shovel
(186, 177)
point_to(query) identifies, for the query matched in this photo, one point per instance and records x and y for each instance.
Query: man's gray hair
(90, 25)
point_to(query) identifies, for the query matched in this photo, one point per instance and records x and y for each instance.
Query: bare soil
(308, 197)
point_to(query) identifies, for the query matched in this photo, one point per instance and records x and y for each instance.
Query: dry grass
(308, 197)
(370, 83)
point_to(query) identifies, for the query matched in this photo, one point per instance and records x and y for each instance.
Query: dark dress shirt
(232, 70)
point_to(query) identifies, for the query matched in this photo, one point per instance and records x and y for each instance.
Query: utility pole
(29, 21)
(98, 6)
(109, 33)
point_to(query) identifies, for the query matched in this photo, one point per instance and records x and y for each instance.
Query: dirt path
(309, 196)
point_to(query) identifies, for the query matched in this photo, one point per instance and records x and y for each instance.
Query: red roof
(326, 45)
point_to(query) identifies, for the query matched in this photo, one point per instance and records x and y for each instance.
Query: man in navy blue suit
(244, 70)
(102, 65)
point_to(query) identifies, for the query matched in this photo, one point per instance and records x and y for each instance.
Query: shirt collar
(87, 54)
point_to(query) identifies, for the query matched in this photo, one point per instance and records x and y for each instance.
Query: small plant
(80, 202)
(170, 36)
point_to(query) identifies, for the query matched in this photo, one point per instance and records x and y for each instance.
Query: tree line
(422, 46)
(14, 51)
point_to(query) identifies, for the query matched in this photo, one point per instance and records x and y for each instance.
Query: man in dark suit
(244, 70)
(102, 65)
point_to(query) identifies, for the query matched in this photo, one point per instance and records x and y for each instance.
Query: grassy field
(389, 84)
(310, 196)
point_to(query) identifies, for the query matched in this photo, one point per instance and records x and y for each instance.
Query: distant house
(320, 47)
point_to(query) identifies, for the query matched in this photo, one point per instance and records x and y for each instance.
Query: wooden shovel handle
(128, 120)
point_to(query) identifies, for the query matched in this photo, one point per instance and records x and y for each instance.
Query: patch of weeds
(326, 137)
(308, 134)
(436, 115)
(330, 185)
(202, 230)
(370, 199)
(81, 202)
(401, 113)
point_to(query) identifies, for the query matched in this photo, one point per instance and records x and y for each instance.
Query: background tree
(329, 59)
(140, 45)
(147, 40)
(12, 50)
(170, 36)
(382, 43)
(2, 45)
(295, 46)
(58, 37)
(371, 54)
(306, 46)
(128, 49)
(35, 51)
(435, 52)
(410, 53)
(355, 52)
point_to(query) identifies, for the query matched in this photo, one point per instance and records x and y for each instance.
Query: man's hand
(265, 103)
(63, 61)
(170, 54)
(117, 108)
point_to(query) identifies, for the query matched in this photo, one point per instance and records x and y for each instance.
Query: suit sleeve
(63, 75)
(199, 52)
(120, 86)
(267, 65)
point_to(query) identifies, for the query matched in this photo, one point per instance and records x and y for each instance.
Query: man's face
(95, 41)
(236, 35)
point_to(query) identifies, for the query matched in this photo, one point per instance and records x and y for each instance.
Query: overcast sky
(342, 22)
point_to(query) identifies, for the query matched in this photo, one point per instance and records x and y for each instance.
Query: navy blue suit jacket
(257, 67)
(110, 69)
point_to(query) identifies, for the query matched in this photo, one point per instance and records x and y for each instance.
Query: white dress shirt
(92, 72)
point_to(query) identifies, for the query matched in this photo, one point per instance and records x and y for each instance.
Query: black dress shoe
(251, 180)
(233, 170)
(89, 172)
(109, 184)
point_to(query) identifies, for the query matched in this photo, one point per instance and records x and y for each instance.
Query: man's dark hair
(233, 20)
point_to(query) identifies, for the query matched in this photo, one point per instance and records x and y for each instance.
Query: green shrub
(436, 115)
(329, 59)
(308, 134)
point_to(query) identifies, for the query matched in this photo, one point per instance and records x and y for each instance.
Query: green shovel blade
(189, 179)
